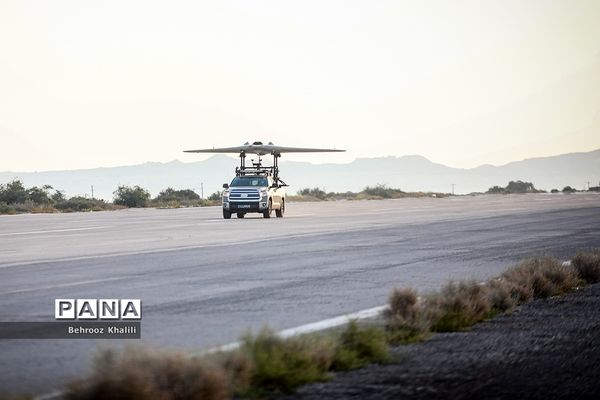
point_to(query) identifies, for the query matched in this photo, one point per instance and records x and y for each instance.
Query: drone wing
(282, 149)
(236, 149)
(263, 149)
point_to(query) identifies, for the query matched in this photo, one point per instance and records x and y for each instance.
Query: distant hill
(410, 173)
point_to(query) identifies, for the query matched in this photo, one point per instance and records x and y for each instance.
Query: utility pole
(588, 183)
(202, 190)
(92, 192)
(453, 189)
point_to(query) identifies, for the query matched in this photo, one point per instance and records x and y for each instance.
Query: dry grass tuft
(587, 266)
(407, 320)
(137, 374)
(503, 295)
(540, 278)
(458, 305)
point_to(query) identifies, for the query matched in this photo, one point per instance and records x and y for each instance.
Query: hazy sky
(104, 83)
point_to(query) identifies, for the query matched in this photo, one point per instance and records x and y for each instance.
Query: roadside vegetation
(376, 192)
(15, 198)
(519, 187)
(265, 365)
(515, 187)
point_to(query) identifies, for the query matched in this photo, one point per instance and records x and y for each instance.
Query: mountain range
(409, 173)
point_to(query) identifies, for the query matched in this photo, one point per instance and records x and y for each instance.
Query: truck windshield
(249, 181)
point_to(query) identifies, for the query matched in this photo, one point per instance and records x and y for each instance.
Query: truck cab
(253, 194)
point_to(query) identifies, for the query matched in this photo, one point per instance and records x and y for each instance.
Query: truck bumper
(253, 206)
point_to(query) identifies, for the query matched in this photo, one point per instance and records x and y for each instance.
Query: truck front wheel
(267, 212)
(281, 210)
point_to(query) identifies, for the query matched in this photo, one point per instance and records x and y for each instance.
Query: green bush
(171, 194)
(359, 346)
(514, 187)
(281, 365)
(131, 196)
(13, 192)
(216, 196)
(496, 190)
(6, 209)
(172, 198)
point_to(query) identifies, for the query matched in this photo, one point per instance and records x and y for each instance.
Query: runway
(204, 281)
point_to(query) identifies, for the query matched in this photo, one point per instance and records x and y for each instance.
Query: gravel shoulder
(547, 349)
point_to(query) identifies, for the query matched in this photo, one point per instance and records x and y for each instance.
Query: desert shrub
(540, 278)
(314, 192)
(382, 191)
(131, 196)
(359, 346)
(407, 320)
(13, 192)
(79, 203)
(514, 187)
(239, 368)
(520, 187)
(568, 189)
(216, 196)
(281, 365)
(142, 374)
(502, 295)
(7, 209)
(175, 198)
(587, 266)
(496, 190)
(40, 195)
(458, 305)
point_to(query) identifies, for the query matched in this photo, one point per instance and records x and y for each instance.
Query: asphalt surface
(548, 349)
(204, 281)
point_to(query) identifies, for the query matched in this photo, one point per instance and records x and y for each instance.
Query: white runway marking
(61, 285)
(53, 231)
(312, 327)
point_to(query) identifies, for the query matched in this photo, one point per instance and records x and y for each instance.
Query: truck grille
(244, 195)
